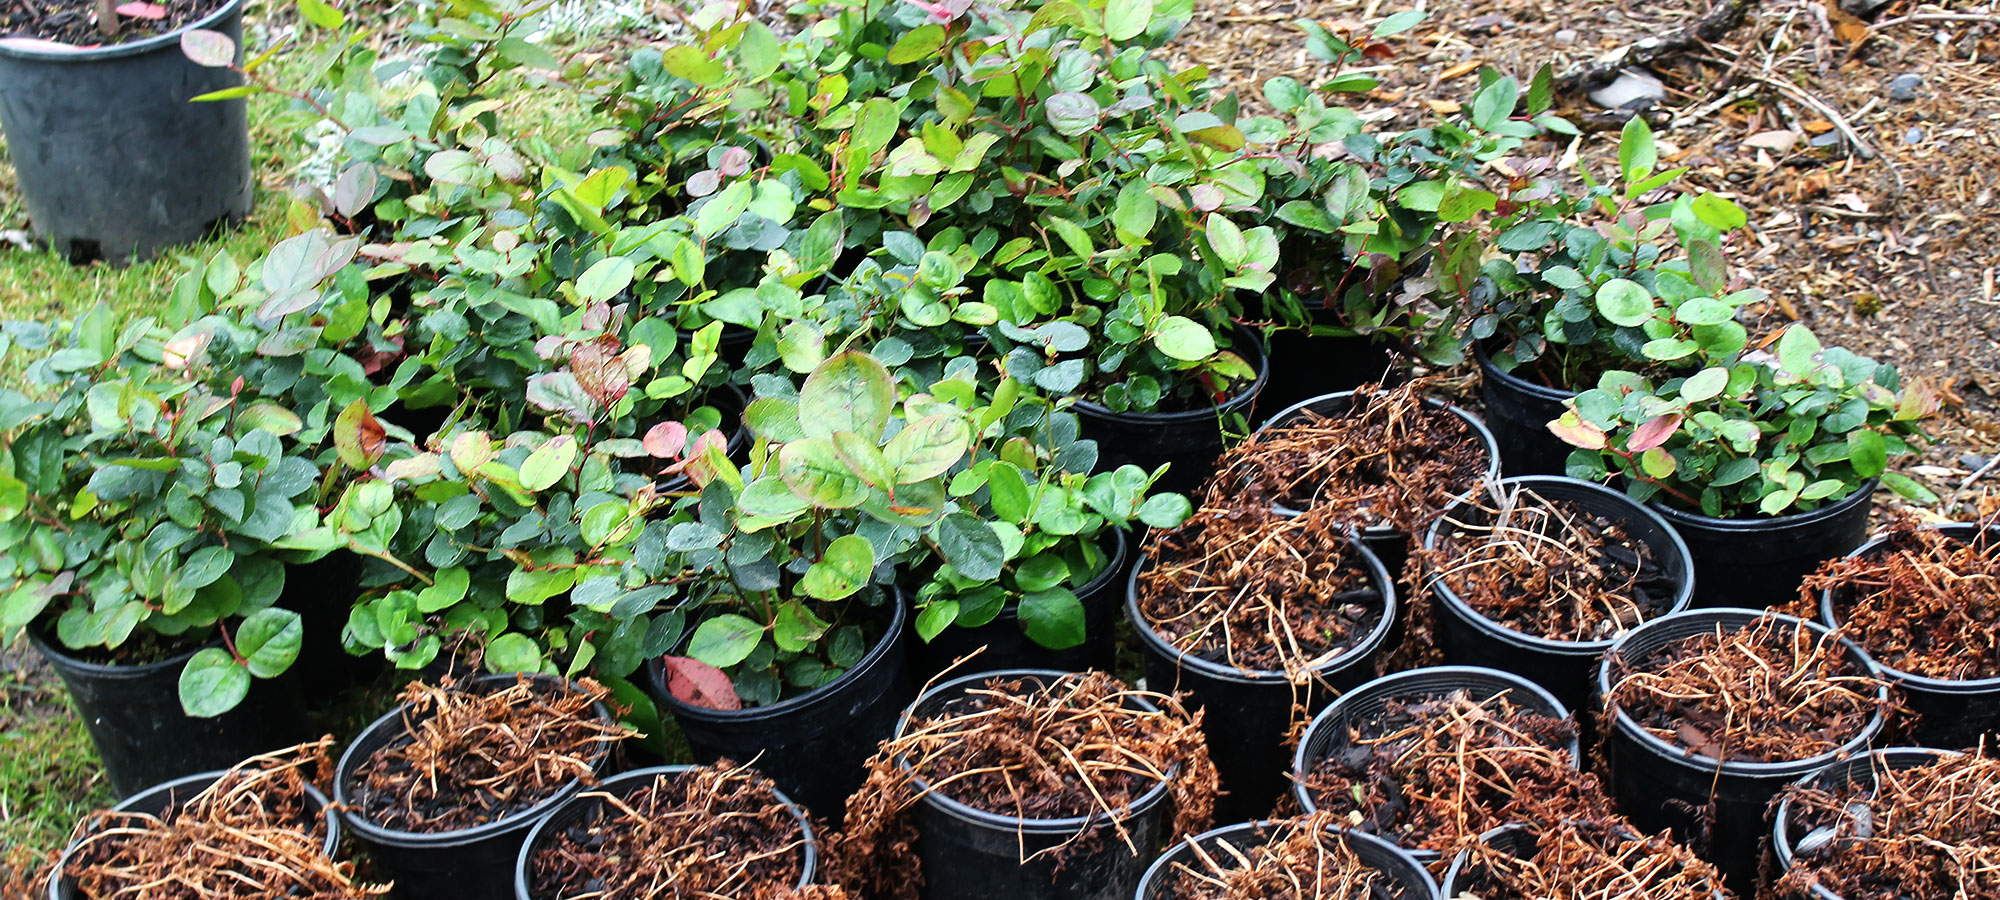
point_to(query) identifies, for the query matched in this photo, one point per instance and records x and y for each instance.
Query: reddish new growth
(1924, 603)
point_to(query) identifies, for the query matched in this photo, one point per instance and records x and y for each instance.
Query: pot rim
(39, 50)
(1685, 758)
(62, 658)
(809, 847)
(1683, 593)
(1830, 617)
(355, 820)
(1516, 382)
(977, 816)
(1458, 861)
(1683, 519)
(898, 616)
(1258, 358)
(1361, 649)
(1389, 848)
(1480, 434)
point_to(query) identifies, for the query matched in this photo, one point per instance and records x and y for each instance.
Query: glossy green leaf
(212, 684)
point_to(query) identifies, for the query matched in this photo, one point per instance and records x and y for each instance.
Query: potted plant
(1920, 601)
(1280, 859)
(1891, 822)
(1118, 775)
(145, 503)
(175, 168)
(1580, 859)
(1763, 462)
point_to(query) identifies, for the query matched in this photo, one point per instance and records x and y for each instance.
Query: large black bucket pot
(468, 864)
(1660, 785)
(1249, 714)
(1329, 731)
(1389, 544)
(1954, 715)
(1786, 833)
(1407, 879)
(173, 794)
(813, 745)
(135, 720)
(1758, 563)
(1518, 841)
(586, 805)
(1187, 441)
(114, 162)
(322, 592)
(971, 854)
(1008, 647)
(1567, 669)
(1519, 412)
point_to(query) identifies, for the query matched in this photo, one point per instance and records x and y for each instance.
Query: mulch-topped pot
(1519, 412)
(1250, 712)
(474, 862)
(1835, 824)
(134, 716)
(1179, 873)
(114, 162)
(812, 745)
(1707, 794)
(1390, 543)
(1758, 563)
(1471, 872)
(1510, 622)
(1007, 646)
(1949, 712)
(1186, 440)
(1338, 740)
(172, 795)
(753, 841)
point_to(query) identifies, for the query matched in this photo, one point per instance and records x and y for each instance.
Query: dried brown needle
(1305, 858)
(1925, 833)
(1926, 603)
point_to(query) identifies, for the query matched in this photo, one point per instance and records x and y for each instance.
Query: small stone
(1632, 89)
(1564, 38)
(1828, 139)
(1974, 461)
(1904, 87)
(1914, 136)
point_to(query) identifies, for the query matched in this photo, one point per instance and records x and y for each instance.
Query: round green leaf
(209, 49)
(970, 546)
(815, 472)
(513, 652)
(1625, 302)
(548, 464)
(1704, 384)
(1052, 618)
(1867, 452)
(1705, 311)
(213, 684)
(269, 641)
(1165, 510)
(845, 567)
(928, 447)
(850, 392)
(1184, 339)
(606, 279)
(725, 640)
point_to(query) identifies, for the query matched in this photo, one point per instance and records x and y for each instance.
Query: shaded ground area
(49, 776)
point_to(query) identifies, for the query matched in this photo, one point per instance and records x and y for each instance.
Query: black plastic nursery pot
(1568, 669)
(1388, 543)
(1406, 877)
(589, 803)
(1249, 713)
(1758, 563)
(1329, 731)
(1188, 441)
(1786, 833)
(1519, 412)
(114, 161)
(171, 795)
(470, 863)
(322, 592)
(133, 713)
(1950, 714)
(813, 745)
(1516, 840)
(968, 853)
(1661, 785)
(1008, 647)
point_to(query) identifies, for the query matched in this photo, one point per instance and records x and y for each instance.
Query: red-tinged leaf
(211, 49)
(359, 436)
(666, 440)
(1654, 433)
(697, 683)
(704, 454)
(599, 370)
(152, 11)
(1577, 433)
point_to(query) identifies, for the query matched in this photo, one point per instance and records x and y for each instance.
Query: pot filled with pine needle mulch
(1598, 856)
(1304, 858)
(1896, 824)
(443, 791)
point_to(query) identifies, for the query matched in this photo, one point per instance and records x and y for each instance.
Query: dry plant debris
(472, 756)
(1549, 568)
(1070, 747)
(1771, 691)
(1437, 773)
(1305, 858)
(711, 831)
(1587, 861)
(1926, 833)
(1924, 603)
(250, 836)
(1260, 592)
(1392, 459)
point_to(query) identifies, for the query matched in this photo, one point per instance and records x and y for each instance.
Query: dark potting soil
(1924, 602)
(1591, 859)
(1770, 692)
(1304, 860)
(466, 758)
(1926, 833)
(74, 22)
(1552, 569)
(715, 831)
(1435, 773)
(1257, 591)
(142, 648)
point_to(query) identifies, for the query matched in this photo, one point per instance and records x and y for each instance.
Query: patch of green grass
(49, 774)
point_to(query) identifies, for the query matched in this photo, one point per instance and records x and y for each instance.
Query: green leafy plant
(1760, 434)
